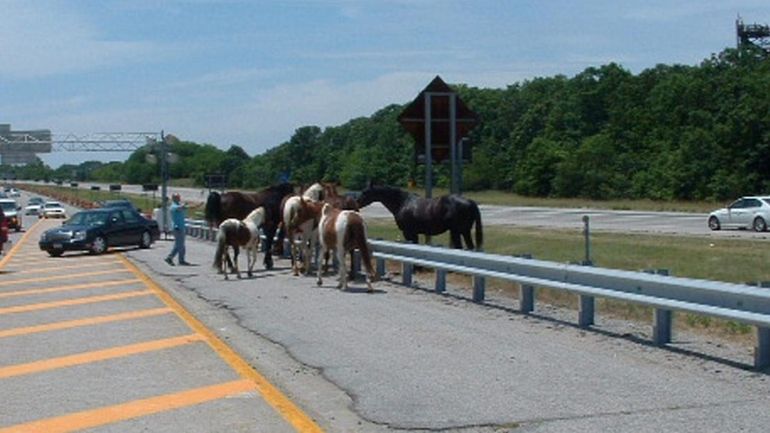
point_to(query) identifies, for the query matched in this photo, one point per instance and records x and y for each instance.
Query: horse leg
(269, 233)
(455, 239)
(320, 268)
(226, 261)
(468, 240)
(236, 251)
(343, 274)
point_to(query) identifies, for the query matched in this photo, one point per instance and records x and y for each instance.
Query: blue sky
(251, 72)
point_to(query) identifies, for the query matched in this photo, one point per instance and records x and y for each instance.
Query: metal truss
(104, 141)
(93, 142)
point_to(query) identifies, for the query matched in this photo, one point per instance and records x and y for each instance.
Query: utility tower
(752, 35)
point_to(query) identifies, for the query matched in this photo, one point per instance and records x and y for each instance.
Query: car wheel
(146, 240)
(759, 224)
(714, 223)
(99, 245)
(55, 253)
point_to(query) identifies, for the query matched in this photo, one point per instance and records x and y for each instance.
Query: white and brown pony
(343, 231)
(234, 233)
(299, 231)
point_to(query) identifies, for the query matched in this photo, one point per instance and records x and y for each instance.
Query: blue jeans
(179, 248)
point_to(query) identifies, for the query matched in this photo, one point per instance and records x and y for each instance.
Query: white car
(53, 209)
(33, 206)
(750, 212)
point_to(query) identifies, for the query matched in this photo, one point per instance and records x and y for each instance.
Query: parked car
(14, 193)
(750, 212)
(11, 210)
(53, 209)
(33, 206)
(96, 230)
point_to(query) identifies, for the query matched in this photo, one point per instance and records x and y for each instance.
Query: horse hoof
(319, 282)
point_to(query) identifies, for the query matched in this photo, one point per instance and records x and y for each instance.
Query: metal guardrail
(665, 294)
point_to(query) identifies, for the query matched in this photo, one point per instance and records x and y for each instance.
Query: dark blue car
(96, 230)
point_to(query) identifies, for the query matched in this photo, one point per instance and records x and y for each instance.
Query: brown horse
(337, 201)
(235, 204)
(343, 231)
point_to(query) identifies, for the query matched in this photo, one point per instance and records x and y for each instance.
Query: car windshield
(52, 205)
(88, 219)
(35, 200)
(767, 201)
(8, 205)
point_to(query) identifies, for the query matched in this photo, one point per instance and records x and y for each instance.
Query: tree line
(669, 132)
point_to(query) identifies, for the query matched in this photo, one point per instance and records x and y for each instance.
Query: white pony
(304, 234)
(236, 233)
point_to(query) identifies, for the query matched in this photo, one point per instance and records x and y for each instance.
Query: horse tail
(213, 212)
(479, 230)
(356, 235)
(221, 245)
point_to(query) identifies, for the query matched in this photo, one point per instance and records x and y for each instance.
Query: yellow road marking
(272, 395)
(18, 245)
(84, 322)
(96, 356)
(61, 277)
(59, 268)
(134, 409)
(69, 287)
(70, 302)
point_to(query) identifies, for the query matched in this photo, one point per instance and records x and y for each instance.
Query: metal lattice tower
(752, 35)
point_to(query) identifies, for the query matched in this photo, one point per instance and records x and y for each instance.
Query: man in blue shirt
(177, 211)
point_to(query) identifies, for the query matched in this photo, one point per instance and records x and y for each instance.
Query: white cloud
(41, 38)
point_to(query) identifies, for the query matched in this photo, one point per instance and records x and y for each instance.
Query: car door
(750, 208)
(116, 228)
(736, 212)
(133, 227)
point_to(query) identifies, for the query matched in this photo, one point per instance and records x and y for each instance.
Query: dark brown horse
(416, 215)
(235, 204)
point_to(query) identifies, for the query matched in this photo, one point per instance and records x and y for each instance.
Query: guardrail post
(762, 349)
(406, 272)
(380, 264)
(661, 330)
(440, 280)
(526, 298)
(479, 286)
(586, 312)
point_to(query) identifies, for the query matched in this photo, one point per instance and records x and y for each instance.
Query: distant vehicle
(121, 203)
(11, 210)
(14, 193)
(33, 206)
(53, 209)
(749, 212)
(96, 230)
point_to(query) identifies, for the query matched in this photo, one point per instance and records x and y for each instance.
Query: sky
(251, 72)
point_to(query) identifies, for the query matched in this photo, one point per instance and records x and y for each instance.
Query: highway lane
(668, 223)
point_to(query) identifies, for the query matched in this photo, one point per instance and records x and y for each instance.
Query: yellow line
(272, 395)
(96, 356)
(61, 277)
(59, 268)
(134, 409)
(84, 322)
(70, 302)
(98, 284)
(18, 245)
